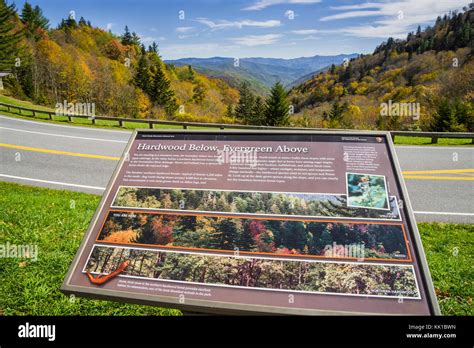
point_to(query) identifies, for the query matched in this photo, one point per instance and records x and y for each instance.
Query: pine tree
(199, 93)
(230, 111)
(142, 77)
(244, 108)
(277, 107)
(127, 37)
(335, 116)
(161, 92)
(446, 117)
(153, 48)
(10, 36)
(33, 19)
(258, 112)
(82, 22)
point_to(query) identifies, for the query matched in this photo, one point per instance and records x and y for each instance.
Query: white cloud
(194, 50)
(184, 29)
(110, 25)
(256, 40)
(147, 39)
(397, 18)
(306, 31)
(261, 4)
(225, 24)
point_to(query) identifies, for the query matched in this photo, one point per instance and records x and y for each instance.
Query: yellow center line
(429, 177)
(57, 152)
(407, 174)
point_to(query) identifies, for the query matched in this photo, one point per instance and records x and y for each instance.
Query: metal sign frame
(214, 307)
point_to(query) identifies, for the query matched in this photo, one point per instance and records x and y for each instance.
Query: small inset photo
(367, 191)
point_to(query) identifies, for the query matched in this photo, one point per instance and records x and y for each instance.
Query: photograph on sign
(242, 222)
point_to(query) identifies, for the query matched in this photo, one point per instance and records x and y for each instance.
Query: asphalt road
(440, 180)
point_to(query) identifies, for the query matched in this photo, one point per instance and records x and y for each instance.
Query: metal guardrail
(121, 121)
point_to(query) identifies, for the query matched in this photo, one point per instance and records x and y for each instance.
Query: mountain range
(262, 73)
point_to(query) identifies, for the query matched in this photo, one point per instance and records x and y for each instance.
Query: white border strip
(52, 182)
(63, 136)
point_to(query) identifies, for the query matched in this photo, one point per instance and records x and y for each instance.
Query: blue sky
(251, 28)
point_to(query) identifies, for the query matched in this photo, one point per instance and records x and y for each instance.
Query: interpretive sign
(257, 222)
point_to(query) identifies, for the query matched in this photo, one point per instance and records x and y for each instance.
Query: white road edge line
(103, 189)
(442, 213)
(52, 182)
(64, 125)
(64, 136)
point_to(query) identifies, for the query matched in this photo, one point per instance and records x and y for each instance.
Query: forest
(284, 237)
(335, 278)
(81, 63)
(271, 203)
(433, 67)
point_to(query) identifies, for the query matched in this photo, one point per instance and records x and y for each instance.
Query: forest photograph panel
(321, 277)
(368, 191)
(284, 237)
(262, 203)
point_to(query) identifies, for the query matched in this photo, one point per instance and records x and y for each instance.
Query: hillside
(432, 68)
(261, 73)
(79, 63)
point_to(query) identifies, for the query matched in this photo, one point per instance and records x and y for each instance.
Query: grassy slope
(399, 140)
(56, 221)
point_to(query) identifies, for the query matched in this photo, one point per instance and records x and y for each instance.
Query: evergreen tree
(33, 19)
(446, 118)
(258, 112)
(153, 48)
(244, 108)
(82, 22)
(230, 111)
(199, 93)
(161, 92)
(335, 116)
(277, 107)
(142, 77)
(127, 37)
(10, 37)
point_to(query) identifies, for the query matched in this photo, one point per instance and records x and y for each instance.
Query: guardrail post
(93, 120)
(34, 113)
(434, 140)
(120, 123)
(50, 114)
(185, 126)
(151, 125)
(69, 118)
(8, 108)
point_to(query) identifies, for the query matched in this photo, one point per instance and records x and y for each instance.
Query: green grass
(449, 249)
(399, 140)
(75, 121)
(56, 221)
(403, 140)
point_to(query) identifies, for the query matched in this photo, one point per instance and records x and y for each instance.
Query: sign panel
(274, 222)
